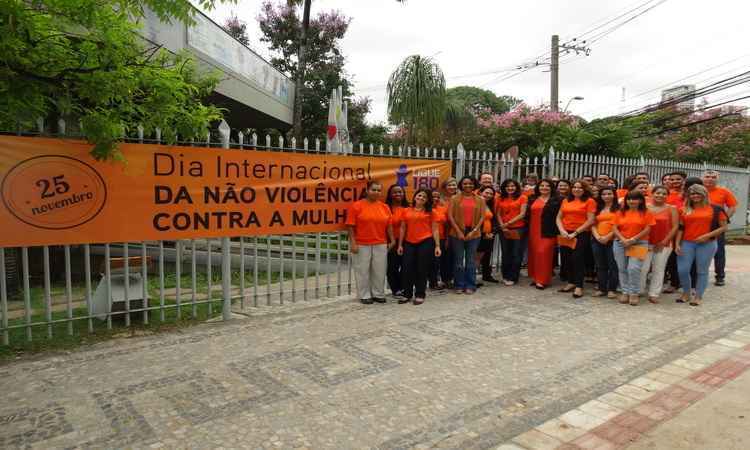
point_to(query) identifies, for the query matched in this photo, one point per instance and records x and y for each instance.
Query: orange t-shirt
(396, 219)
(370, 221)
(440, 215)
(574, 213)
(418, 225)
(487, 224)
(509, 208)
(632, 222)
(661, 228)
(528, 191)
(697, 223)
(467, 209)
(604, 222)
(674, 198)
(723, 197)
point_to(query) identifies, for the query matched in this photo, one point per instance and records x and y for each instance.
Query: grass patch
(67, 337)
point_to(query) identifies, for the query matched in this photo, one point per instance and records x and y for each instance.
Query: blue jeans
(628, 268)
(464, 263)
(701, 254)
(606, 266)
(720, 260)
(512, 255)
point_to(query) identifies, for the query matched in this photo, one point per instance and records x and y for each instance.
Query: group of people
(627, 239)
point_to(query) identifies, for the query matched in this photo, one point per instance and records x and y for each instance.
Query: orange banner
(54, 192)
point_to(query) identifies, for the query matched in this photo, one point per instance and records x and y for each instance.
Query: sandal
(669, 290)
(612, 294)
(540, 286)
(695, 302)
(624, 299)
(418, 301)
(598, 293)
(578, 294)
(634, 300)
(568, 288)
(653, 300)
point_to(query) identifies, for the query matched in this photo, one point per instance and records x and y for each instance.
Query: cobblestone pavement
(458, 372)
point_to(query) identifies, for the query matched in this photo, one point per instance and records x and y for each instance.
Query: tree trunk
(301, 66)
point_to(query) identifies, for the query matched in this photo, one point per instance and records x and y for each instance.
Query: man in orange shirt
(676, 186)
(723, 197)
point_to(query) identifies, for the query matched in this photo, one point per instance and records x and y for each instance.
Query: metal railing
(55, 291)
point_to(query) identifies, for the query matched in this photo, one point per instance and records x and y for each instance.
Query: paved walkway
(718, 421)
(459, 372)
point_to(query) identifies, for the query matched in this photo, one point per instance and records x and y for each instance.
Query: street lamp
(577, 97)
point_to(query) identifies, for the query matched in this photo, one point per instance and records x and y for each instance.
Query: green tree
(83, 60)
(481, 101)
(281, 26)
(237, 29)
(416, 96)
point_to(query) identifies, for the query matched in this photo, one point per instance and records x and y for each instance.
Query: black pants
(512, 256)
(393, 274)
(573, 261)
(442, 267)
(418, 260)
(590, 271)
(720, 259)
(606, 266)
(485, 263)
(671, 271)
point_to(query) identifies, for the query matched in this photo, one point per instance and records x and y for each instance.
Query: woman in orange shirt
(632, 225)
(487, 243)
(601, 244)
(660, 240)
(396, 201)
(370, 230)
(574, 220)
(440, 274)
(465, 216)
(418, 242)
(510, 210)
(700, 225)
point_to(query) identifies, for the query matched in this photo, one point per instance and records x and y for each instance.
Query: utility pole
(555, 66)
(554, 73)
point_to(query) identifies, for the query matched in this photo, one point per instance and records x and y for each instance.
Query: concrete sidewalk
(509, 368)
(721, 421)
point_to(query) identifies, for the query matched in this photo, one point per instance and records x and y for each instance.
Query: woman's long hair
(504, 193)
(552, 188)
(634, 195)
(428, 203)
(586, 190)
(491, 202)
(389, 197)
(696, 189)
(614, 207)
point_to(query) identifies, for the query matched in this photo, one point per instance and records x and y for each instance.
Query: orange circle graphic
(54, 192)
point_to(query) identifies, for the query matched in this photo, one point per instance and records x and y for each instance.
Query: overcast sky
(673, 41)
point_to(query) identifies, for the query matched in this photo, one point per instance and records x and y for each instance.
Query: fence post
(226, 256)
(460, 159)
(551, 162)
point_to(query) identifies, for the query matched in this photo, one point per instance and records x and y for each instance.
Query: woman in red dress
(543, 208)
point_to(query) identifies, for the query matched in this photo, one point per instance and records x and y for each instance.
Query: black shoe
(490, 279)
(378, 300)
(480, 285)
(366, 301)
(719, 282)
(403, 300)
(398, 293)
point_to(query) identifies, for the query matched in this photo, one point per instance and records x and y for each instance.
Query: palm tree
(416, 95)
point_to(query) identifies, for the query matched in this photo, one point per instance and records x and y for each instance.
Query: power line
(674, 82)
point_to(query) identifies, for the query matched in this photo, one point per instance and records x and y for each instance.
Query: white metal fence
(53, 291)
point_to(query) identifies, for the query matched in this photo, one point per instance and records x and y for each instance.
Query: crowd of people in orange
(626, 240)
